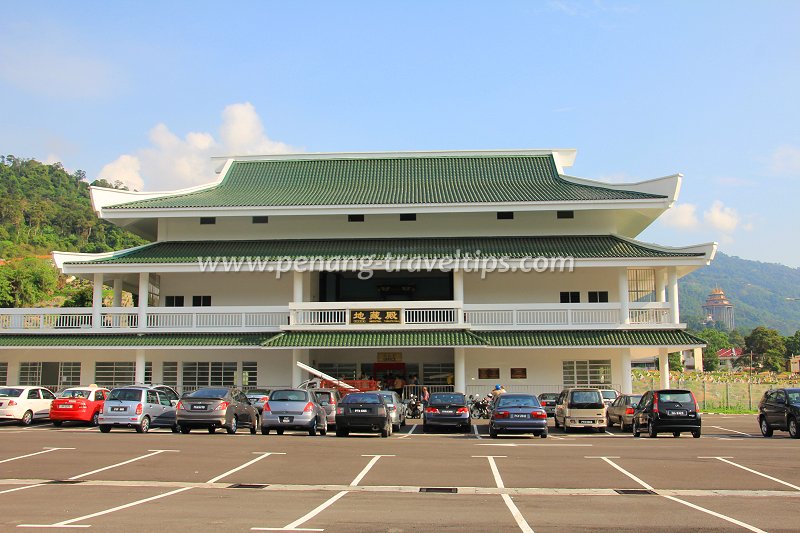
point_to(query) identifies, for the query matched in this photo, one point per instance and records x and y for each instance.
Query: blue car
(518, 413)
(447, 409)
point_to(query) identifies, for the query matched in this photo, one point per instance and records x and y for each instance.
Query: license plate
(519, 415)
(286, 419)
(199, 408)
(586, 421)
(676, 413)
(119, 409)
(65, 406)
(360, 410)
(448, 412)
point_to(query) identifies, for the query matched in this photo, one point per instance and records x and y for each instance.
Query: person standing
(425, 396)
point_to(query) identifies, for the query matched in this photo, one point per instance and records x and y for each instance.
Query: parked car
(548, 401)
(328, 399)
(25, 404)
(621, 411)
(518, 413)
(667, 411)
(779, 409)
(168, 391)
(78, 404)
(293, 409)
(609, 396)
(258, 397)
(216, 407)
(396, 407)
(363, 412)
(447, 409)
(580, 408)
(137, 406)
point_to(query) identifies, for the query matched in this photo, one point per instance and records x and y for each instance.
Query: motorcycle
(479, 407)
(414, 408)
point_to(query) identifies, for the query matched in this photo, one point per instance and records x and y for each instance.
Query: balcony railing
(440, 314)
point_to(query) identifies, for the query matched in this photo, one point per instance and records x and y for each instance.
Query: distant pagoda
(718, 309)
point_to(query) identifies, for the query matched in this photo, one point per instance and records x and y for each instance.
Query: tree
(27, 282)
(736, 339)
(675, 362)
(767, 347)
(715, 341)
(793, 344)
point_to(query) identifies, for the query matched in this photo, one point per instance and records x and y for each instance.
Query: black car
(363, 412)
(779, 409)
(548, 401)
(667, 411)
(447, 409)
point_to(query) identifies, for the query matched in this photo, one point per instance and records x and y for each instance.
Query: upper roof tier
(386, 179)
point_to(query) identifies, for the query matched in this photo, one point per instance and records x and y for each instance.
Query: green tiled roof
(222, 340)
(609, 338)
(372, 339)
(390, 181)
(579, 247)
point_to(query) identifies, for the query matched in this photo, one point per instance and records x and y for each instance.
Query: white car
(25, 404)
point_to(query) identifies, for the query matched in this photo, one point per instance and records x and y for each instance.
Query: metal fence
(710, 395)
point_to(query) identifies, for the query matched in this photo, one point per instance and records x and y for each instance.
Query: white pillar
(458, 285)
(12, 372)
(298, 375)
(139, 372)
(673, 296)
(624, 314)
(144, 292)
(117, 302)
(626, 385)
(97, 300)
(663, 366)
(459, 370)
(698, 360)
(297, 284)
(661, 285)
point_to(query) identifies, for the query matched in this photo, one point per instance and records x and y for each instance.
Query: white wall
(229, 288)
(535, 287)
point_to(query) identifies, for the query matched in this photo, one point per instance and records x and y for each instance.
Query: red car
(78, 404)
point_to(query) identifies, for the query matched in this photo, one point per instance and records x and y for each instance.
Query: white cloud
(785, 161)
(173, 162)
(724, 219)
(681, 216)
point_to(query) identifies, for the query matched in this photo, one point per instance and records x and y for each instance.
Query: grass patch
(729, 410)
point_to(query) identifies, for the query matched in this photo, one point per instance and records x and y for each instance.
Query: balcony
(443, 314)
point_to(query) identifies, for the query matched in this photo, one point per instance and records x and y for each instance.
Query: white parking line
(518, 518)
(683, 502)
(293, 526)
(46, 450)
(725, 460)
(541, 444)
(475, 429)
(154, 452)
(409, 433)
(248, 463)
(732, 431)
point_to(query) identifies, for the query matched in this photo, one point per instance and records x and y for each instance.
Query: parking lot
(74, 476)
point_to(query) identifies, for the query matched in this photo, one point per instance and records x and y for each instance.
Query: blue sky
(148, 91)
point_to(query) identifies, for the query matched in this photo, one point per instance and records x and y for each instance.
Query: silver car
(138, 407)
(328, 399)
(217, 407)
(293, 409)
(258, 397)
(396, 408)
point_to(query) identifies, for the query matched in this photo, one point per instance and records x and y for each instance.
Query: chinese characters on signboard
(381, 316)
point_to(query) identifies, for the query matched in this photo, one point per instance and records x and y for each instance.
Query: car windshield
(635, 400)
(679, 397)
(585, 399)
(289, 396)
(75, 393)
(548, 396)
(208, 393)
(794, 396)
(517, 401)
(609, 395)
(361, 397)
(10, 393)
(257, 392)
(126, 395)
(447, 398)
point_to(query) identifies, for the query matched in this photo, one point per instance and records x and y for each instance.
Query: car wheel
(622, 425)
(635, 429)
(254, 425)
(279, 431)
(144, 427)
(176, 428)
(233, 427)
(212, 429)
(765, 429)
(793, 429)
(467, 428)
(676, 434)
(312, 431)
(395, 427)
(324, 430)
(386, 431)
(651, 430)
(185, 430)
(264, 431)
(341, 432)
(27, 418)
(105, 429)
(543, 435)
(96, 418)
(696, 433)
(492, 432)
(608, 422)
(57, 423)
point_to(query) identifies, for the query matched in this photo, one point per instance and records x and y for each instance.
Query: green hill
(758, 291)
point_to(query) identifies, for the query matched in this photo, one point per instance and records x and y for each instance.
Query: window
(33, 394)
(169, 373)
(488, 373)
(163, 399)
(641, 285)
(408, 217)
(338, 370)
(69, 374)
(505, 215)
(173, 301)
(249, 374)
(598, 297)
(208, 374)
(3, 373)
(437, 373)
(208, 220)
(201, 301)
(594, 372)
(565, 214)
(355, 218)
(52, 374)
(110, 374)
(519, 373)
(261, 220)
(570, 297)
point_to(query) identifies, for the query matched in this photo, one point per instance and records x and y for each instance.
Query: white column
(661, 285)
(698, 360)
(297, 284)
(626, 384)
(458, 285)
(117, 302)
(12, 375)
(624, 314)
(299, 375)
(673, 296)
(97, 300)
(459, 370)
(139, 372)
(144, 291)
(663, 366)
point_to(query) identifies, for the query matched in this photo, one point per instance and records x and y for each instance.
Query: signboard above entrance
(375, 316)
